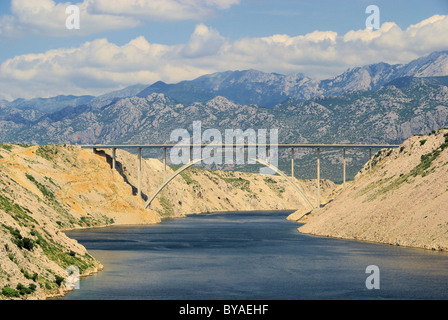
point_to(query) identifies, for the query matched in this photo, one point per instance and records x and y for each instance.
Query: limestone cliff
(402, 200)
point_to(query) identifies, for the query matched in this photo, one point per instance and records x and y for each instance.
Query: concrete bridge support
(318, 177)
(193, 160)
(139, 175)
(292, 163)
(343, 166)
(114, 158)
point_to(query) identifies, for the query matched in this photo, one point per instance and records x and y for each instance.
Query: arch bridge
(292, 147)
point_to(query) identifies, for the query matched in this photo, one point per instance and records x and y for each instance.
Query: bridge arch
(267, 164)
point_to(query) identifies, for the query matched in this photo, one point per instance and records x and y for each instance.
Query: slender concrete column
(370, 159)
(343, 165)
(292, 163)
(318, 177)
(164, 164)
(139, 165)
(114, 158)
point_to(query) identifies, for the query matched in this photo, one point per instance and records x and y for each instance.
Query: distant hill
(48, 105)
(405, 82)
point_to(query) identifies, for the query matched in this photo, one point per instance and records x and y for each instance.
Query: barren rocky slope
(402, 201)
(45, 190)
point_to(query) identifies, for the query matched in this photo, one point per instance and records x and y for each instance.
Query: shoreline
(63, 292)
(425, 247)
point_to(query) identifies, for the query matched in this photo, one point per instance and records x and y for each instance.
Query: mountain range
(257, 87)
(379, 103)
(270, 89)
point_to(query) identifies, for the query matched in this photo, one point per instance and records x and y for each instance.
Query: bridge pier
(114, 158)
(318, 177)
(343, 166)
(292, 163)
(139, 176)
(164, 164)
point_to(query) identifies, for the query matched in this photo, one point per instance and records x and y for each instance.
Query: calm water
(244, 256)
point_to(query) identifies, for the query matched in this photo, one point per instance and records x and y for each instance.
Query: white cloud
(161, 9)
(99, 66)
(203, 42)
(47, 18)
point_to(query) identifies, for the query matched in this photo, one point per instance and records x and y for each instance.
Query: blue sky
(123, 42)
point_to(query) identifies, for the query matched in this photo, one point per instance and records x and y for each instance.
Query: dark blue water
(246, 256)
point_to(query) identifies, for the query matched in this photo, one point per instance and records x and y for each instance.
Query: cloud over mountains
(47, 18)
(100, 65)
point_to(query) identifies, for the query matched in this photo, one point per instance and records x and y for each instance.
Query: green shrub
(29, 276)
(58, 280)
(16, 211)
(47, 152)
(23, 290)
(10, 293)
(45, 191)
(28, 244)
(16, 234)
(7, 147)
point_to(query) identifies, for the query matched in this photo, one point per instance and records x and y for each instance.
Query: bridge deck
(280, 145)
(291, 146)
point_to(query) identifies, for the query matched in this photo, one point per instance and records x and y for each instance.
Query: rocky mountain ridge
(270, 89)
(254, 86)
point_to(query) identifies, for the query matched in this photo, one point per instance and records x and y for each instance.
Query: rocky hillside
(45, 190)
(402, 201)
(388, 115)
